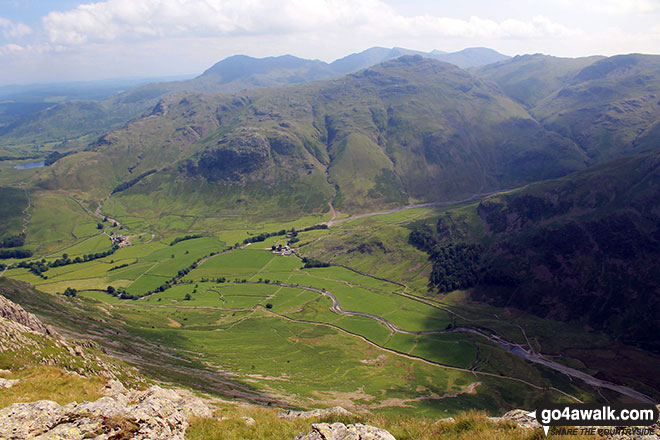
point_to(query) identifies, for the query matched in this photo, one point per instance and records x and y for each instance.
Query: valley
(406, 238)
(202, 309)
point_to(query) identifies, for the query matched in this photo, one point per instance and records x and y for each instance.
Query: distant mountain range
(241, 72)
(38, 121)
(407, 129)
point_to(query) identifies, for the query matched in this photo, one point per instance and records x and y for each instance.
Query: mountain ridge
(230, 75)
(404, 130)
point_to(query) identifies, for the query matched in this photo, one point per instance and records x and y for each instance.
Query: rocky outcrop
(153, 414)
(520, 417)
(339, 431)
(14, 312)
(22, 332)
(7, 383)
(293, 415)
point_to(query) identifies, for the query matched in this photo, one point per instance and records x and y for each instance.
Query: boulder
(7, 383)
(293, 415)
(339, 431)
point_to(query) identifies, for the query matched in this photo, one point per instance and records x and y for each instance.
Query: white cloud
(14, 30)
(627, 6)
(11, 48)
(115, 20)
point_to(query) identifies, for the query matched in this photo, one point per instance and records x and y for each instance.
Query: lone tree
(187, 297)
(110, 290)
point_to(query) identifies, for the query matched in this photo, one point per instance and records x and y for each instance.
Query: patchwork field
(246, 322)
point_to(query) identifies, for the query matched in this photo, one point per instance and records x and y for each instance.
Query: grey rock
(8, 383)
(14, 312)
(113, 388)
(153, 414)
(293, 415)
(520, 418)
(339, 431)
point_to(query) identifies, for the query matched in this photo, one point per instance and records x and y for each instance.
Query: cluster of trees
(184, 238)
(3, 158)
(125, 185)
(455, 265)
(15, 253)
(313, 262)
(314, 227)
(13, 241)
(218, 280)
(120, 293)
(120, 266)
(263, 236)
(423, 239)
(55, 156)
(38, 267)
(292, 233)
(71, 292)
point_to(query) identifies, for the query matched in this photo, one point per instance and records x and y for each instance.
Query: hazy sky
(56, 40)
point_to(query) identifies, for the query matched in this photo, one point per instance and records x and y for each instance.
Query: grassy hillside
(610, 108)
(411, 129)
(13, 201)
(607, 106)
(530, 78)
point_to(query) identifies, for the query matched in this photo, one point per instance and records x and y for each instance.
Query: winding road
(334, 221)
(513, 348)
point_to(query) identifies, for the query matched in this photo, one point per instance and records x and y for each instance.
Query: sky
(73, 40)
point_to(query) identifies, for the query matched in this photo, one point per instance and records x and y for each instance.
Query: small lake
(29, 165)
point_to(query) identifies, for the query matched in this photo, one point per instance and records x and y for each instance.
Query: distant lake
(27, 166)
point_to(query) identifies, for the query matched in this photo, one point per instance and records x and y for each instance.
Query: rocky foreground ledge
(153, 414)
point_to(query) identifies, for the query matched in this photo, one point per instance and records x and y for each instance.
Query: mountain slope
(406, 130)
(583, 248)
(607, 106)
(530, 78)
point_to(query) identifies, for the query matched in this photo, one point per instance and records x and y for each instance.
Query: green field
(231, 313)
